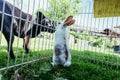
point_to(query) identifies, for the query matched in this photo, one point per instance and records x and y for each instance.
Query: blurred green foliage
(96, 41)
(60, 9)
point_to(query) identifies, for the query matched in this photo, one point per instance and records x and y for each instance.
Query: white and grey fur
(61, 54)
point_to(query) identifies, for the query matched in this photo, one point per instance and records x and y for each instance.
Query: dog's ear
(69, 21)
(40, 15)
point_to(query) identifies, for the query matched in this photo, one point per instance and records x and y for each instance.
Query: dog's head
(107, 31)
(46, 24)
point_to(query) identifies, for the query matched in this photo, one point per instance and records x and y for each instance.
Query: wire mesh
(40, 42)
(86, 35)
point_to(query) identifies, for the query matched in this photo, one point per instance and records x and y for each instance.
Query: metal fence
(86, 34)
(41, 42)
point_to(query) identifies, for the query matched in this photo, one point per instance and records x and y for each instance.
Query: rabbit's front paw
(53, 64)
(67, 64)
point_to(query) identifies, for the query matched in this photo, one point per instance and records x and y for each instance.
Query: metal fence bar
(19, 27)
(28, 62)
(35, 41)
(2, 22)
(10, 37)
(32, 29)
(43, 40)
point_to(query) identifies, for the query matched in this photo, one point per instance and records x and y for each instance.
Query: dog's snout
(51, 29)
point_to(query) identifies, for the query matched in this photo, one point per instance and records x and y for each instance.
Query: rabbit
(61, 53)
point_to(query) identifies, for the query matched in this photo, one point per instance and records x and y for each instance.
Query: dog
(61, 52)
(14, 22)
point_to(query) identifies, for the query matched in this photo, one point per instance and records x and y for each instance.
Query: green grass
(21, 56)
(86, 65)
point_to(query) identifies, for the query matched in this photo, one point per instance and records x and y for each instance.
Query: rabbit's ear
(68, 18)
(69, 21)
